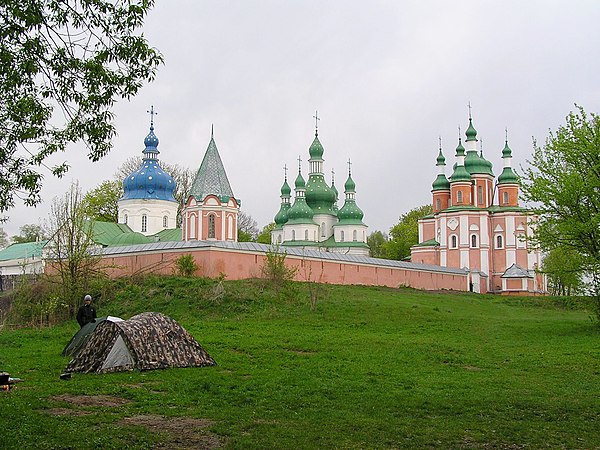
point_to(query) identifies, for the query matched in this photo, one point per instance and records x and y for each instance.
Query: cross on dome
(317, 118)
(152, 114)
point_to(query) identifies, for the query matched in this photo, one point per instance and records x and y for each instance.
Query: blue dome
(149, 181)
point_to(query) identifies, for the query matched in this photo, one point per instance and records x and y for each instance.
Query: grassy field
(370, 368)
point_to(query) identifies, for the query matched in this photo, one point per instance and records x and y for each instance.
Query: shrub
(185, 265)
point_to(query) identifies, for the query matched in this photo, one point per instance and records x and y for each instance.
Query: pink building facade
(469, 230)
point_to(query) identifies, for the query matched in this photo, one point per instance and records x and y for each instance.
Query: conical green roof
(282, 215)
(319, 196)
(506, 151)
(211, 178)
(300, 212)
(460, 150)
(286, 191)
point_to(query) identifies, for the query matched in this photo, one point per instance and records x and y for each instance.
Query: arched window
(323, 229)
(505, 197)
(165, 221)
(192, 221)
(279, 239)
(438, 204)
(306, 235)
(211, 226)
(144, 223)
(473, 241)
(126, 218)
(480, 194)
(453, 241)
(499, 241)
(342, 236)
(459, 197)
(354, 235)
(230, 227)
(293, 235)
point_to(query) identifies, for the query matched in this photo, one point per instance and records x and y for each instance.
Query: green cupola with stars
(300, 212)
(319, 195)
(350, 213)
(282, 215)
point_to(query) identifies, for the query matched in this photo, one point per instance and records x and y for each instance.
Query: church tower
(148, 204)
(471, 232)
(211, 210)
(350, 231)
(282, 215)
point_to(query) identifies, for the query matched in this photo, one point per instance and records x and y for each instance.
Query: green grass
(370, 368)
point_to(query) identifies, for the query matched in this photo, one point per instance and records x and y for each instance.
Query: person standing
(86, 312)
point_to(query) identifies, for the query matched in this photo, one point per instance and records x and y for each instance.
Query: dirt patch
(183, 432)
(106, 401)
(67, 412)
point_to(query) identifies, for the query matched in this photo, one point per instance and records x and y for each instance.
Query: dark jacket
(86, 314)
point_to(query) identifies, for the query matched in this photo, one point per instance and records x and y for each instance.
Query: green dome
(300, 184)
(441, 183)
(476, 164)
(300, 212)
(471, 132)
(350, 213)
(319, 196)
(441, 160)
(506, 151)
(316, 149)
(286, 191)
(349, 186)
(460, 174)
(508, 176)
(460, 150)
(282, 216)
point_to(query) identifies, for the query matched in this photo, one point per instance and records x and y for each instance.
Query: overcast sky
(387, 78)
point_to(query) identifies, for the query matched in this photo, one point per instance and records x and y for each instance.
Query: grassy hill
(369, 368)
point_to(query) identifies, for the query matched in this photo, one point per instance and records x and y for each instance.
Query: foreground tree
(29, 233)
(562, 183)
(100, 203)
(405, 233)
(264, 237)
(63, 64)
(70, 247)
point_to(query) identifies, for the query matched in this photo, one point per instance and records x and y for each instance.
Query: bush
(185, 265)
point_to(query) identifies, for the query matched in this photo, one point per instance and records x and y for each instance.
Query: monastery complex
(469, 243)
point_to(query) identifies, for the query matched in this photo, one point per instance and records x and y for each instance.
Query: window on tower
(323, 229)
(293, 235)
(459, 197)
(499, 241)
(342, 236)
(438, 204)
(144, 223)
(474, 241)
(165, 221)
(306, 235)
(505, 198)
(453, 241)
(126, 218)
(354, 235)
(480, 194)
(211, 226)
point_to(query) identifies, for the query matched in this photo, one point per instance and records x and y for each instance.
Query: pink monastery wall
(238, 265)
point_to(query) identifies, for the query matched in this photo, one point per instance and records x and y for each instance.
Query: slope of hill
(368, 368)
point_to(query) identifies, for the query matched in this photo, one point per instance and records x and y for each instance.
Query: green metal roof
(441, 183)
(508, 176)
(170, 234)
(23, 250)
(471, 132)
(429, 243)
(104, 233)
(460, 174)
(476, 164)
(131, 238)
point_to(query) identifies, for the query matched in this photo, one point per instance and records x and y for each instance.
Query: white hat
(87, 297)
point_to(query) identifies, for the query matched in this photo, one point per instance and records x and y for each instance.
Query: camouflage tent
(81, 337)
(146, 341)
